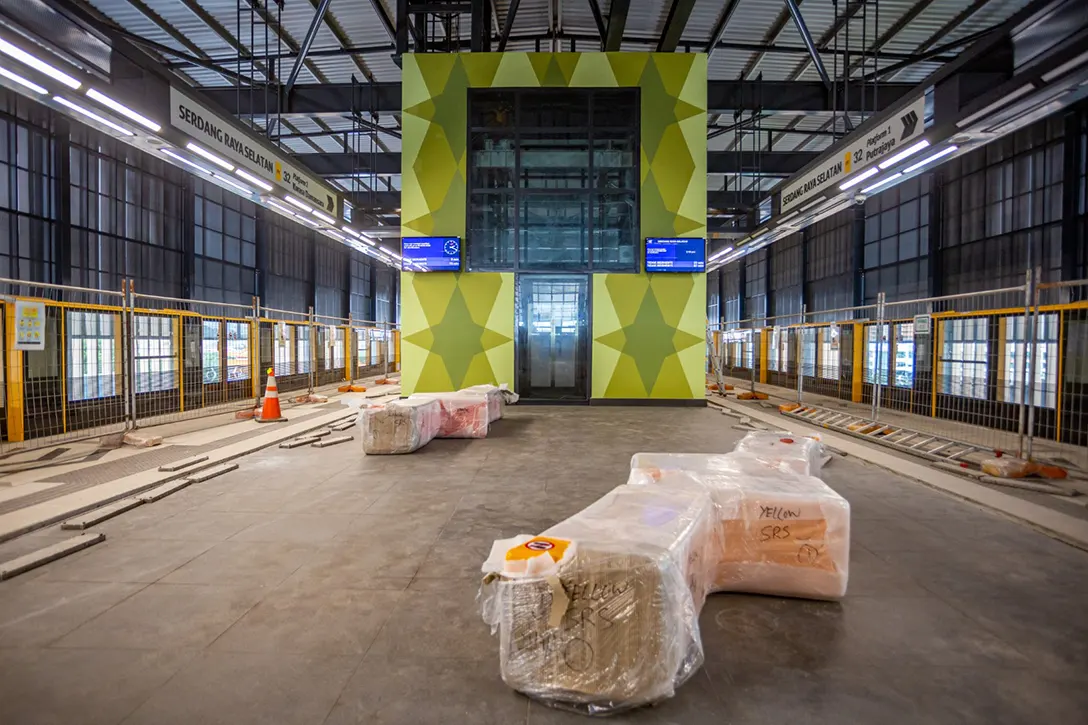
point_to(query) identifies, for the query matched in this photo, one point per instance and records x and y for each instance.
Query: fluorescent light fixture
(282, 207)
(867, 174)
(351, 231)
(881, 183)
(1018, 93)
(811, 204)
(336, 235)
(719, 253)
(259, 183)
(39, 65)
(22, 81)
(92, 115)
(368, 240)
(931, 158)
(905, 153)
(308, 222)
(178, 157)
(1065, 67)
(791, 215)
(301, 205)
(394, 255)
(217, 160)
(124, 110)
(227, 180)
(323, 216)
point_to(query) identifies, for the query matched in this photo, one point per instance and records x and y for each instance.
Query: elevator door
(553, 342)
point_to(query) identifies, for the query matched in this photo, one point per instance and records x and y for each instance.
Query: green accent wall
(647, 331)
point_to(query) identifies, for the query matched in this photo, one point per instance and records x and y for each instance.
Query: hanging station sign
(882, 142)
(217, 134)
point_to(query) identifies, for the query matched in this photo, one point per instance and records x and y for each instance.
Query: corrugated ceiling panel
(645, 18)
(360, 23)
(704, 16)
(726, 65)
(532, 17)
(575, 18)
(187, 23)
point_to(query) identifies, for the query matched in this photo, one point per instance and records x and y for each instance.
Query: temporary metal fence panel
(1004, 369)
(64, 359)
(191, 358)
(80, 363)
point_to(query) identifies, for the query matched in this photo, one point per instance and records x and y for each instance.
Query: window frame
(105, 385)
(514, 197)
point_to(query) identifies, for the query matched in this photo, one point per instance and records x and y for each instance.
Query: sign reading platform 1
(883, 141)
(219, 135)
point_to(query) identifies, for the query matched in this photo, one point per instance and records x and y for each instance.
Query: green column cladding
(648, 330)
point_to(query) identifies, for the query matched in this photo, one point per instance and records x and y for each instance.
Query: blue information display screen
(675, 255)
(431, 254)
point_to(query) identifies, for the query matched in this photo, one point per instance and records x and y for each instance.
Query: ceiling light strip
(92, 115)
(123, 110)
(37, 64)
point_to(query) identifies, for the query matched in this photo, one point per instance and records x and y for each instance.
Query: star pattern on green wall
(644, 331)
(649, 337)
(457, 338)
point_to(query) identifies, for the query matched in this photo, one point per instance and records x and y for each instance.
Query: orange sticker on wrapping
(555, 548)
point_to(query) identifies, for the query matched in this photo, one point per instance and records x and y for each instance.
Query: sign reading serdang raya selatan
(901, 128)
(218, 135)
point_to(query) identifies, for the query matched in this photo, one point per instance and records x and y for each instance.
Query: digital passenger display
(675, 254)
(431, 254)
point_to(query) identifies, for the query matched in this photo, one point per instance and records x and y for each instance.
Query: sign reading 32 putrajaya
(215, 133)
(883, 141)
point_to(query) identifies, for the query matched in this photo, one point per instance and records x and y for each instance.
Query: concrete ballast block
(183, 463)
(50, 553)
(297, 442)
(209, 473)
(164, 490)
(333, 441)
(98, 515)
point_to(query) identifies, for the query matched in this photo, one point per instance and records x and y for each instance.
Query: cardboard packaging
(611, 623)
(402, 426)
(780, 532)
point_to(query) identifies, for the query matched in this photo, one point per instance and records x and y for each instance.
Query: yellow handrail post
(857, 366)
(15, 377)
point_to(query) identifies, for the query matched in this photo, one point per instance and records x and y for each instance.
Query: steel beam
(771, 163)
(307, 41)
(595, 9)
(617, 22)
(334, 99)
(806, 36)
(719, 29)
(388, 202)
(387, 23)
(677, 20)
(508, 24)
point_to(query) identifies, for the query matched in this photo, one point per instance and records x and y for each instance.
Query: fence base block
(50, 553)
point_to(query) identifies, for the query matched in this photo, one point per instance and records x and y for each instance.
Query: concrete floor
(321, 586)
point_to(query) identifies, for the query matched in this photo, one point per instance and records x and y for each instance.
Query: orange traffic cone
(270, 411)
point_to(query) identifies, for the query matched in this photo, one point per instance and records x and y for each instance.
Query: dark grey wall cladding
(975, 223)
(80, 208)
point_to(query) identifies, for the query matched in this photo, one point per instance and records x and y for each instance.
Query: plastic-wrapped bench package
(800, 453)
(599, 614)
(496, 404)
(781, 533)
(401, 426)
(463, 416)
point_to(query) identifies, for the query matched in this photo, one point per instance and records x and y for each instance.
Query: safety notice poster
(29, 325)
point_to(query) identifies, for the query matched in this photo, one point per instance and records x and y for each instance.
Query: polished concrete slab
(324, 587)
